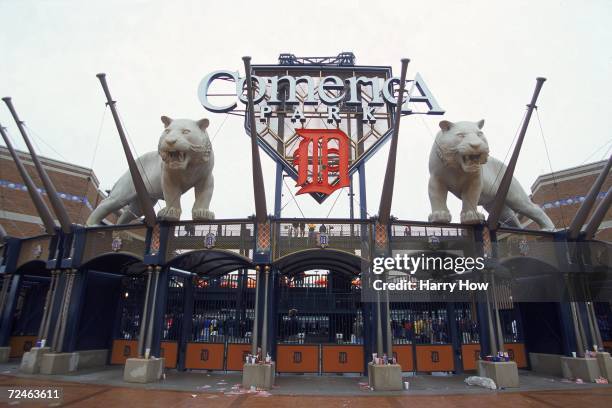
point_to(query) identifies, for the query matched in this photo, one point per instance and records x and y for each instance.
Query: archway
(30, 282)
(109, 302)
(209, 310)
(320, 323)
(538, 322)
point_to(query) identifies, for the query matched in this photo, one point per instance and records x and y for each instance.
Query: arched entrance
(111, 306)
(319, 318)
(534, 327)
(31, 282)
(210, 310)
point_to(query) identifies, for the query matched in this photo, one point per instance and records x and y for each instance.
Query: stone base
(547, 364)
(385, 377)
(58, 363)
(585, 368)
(30, 362)
(504, 373)
(259, 375)
(5, 352)
(143, 370)
(92, 358)
(605, 365)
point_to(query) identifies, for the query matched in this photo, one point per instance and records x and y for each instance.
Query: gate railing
(233, 235)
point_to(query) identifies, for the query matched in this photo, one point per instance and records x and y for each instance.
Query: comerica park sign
(331, 91)
(320, 122)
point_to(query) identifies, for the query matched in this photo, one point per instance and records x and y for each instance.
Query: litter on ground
(481, 382)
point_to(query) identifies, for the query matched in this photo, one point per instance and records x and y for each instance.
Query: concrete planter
(385, 377)
(30, 362)
(504, 373)
(58, 363)
(258, 375)
(143, 370)
(5, 352)
(585, 368)
(605, 365)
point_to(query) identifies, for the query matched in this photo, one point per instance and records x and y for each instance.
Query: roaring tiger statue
(184, 159)
(459, 162)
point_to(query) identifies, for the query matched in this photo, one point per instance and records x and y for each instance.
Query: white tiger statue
(184, 159)
(459, 162)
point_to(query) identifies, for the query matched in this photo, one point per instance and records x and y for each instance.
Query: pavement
(105, 388)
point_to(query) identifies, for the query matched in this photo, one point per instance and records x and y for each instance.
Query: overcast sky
(479, 58)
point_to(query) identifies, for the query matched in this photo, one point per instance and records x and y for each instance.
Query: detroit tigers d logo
(322, 160)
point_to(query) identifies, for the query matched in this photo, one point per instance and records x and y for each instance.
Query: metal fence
(419, 323)
(319, 307)
(29, 308)
(466, 319)
(173, 317)
(131, 303)
(223, 309)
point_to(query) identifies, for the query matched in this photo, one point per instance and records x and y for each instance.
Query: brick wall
(570, 183)
(74, 181)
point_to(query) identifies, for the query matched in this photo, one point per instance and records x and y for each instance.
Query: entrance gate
(421, 336)
(173, 320)
(28, 314)
(129, 311)
(221, 323)
(319, 324)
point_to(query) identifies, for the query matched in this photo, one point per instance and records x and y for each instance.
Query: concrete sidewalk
(329, 385)
(99, 395)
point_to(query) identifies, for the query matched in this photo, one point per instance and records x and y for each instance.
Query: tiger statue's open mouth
(174, 158)
(472, 162)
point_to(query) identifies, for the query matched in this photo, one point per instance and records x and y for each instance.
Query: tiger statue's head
(183, 143)
(462, 144)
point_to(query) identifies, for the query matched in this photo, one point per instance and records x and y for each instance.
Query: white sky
(479, 58)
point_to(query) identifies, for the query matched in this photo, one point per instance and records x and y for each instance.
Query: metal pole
(504, 185)
(41, 207)
(56, 203)
(598, 216)
(589, 201)
(596, 331)
(5, 285)
(141, 191)
(386, 197)
(492, 338)
(379, 336)
(388, 325)
(65, 308)
(143, 320)
(255, 332)
(152, 314)
(261, 212)
(500, 337)
(45, 333)
(264, 333)
(58, 322)
(592, 324)
(45, 316)
(581, 338)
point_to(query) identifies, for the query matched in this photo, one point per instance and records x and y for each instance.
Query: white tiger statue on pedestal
(184, 159)
(459, 162)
